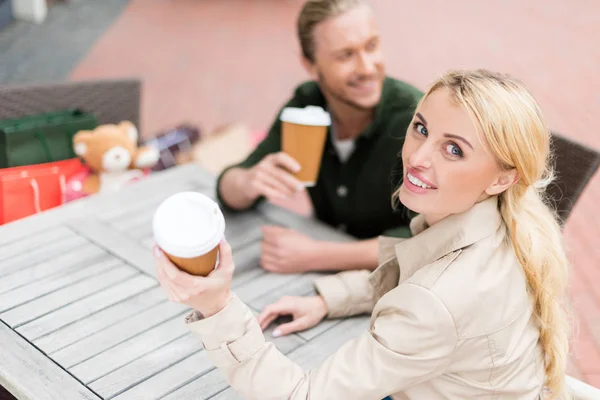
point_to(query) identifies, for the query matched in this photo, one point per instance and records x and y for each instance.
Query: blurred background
(227, 67)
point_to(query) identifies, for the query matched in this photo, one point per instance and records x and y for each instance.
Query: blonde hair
(313, 13)
(512, 124)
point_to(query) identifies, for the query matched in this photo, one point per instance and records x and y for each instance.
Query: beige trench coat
(451, 319)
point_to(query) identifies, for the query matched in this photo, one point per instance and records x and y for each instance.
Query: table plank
(30, 375)
(89, 305)
(99, 321)
(146, 367)
(152, 191)
(46, 304)
(42, 287)
(172, 378)
(204, 387)
(19, 246)
(119, 244)
(130, 350)
(118, 333)
(311, 227)
(77, 258)
(36, 255)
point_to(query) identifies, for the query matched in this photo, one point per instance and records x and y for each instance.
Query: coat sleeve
(411, 339)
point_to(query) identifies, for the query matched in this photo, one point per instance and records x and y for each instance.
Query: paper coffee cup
(304, 131)
(188, 228)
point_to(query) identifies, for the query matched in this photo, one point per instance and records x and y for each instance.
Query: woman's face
(448, 166)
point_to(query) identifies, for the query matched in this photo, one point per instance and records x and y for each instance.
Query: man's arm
(287, 251)
(232, 189)
(338, 256)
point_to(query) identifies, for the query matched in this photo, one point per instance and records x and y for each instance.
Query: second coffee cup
(304, 131)
(188, 228)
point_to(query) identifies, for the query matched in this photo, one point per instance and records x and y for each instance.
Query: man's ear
(129, 128)
(503, 182)
(80, 142)
(310, 67)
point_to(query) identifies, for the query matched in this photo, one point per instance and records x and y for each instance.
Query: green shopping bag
(41, 138)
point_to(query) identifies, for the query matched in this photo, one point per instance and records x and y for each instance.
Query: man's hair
(313, 13)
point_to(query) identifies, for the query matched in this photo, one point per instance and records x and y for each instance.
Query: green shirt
(356, 196)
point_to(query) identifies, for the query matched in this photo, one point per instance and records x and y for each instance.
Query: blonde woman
(470, 307)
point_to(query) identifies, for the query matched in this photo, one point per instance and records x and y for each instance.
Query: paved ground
(214, 62)
(30, 52)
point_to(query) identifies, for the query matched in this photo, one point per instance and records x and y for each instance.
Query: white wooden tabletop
(83, 316)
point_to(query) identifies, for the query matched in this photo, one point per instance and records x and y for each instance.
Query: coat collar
(448, 235)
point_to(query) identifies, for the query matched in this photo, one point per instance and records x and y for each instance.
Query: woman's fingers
(296, 325)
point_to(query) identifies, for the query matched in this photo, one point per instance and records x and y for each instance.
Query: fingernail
(298, 168)
(300, 187)
(276, 333)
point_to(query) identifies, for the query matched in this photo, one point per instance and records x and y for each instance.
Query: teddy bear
(113, 156)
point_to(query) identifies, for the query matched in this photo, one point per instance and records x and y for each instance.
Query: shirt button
(342, 227)
(342, 191)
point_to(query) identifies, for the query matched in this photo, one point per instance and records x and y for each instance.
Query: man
(370, 113)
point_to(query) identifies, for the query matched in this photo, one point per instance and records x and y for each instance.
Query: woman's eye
(421, 128)
(454, 150)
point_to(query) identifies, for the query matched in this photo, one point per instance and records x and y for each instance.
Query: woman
(472, 306)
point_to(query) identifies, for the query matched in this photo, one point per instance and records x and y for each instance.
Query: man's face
(348, 58)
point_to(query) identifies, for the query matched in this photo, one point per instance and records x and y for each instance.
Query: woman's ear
(505, 180)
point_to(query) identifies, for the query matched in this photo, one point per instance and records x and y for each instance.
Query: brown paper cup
(303, 135)
(305, 144)
(188, 228)
(200, 266)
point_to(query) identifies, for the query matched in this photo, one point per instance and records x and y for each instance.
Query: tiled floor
(213, 62)
(46, 52)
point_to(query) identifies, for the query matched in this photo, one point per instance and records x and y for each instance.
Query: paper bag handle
(36, 191)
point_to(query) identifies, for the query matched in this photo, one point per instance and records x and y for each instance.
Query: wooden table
(83, 316)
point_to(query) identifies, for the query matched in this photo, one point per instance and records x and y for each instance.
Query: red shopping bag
(32, 189)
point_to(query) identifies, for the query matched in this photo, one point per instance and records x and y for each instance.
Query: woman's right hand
(305, 311)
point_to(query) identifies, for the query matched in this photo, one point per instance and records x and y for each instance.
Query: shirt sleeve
(270, 144)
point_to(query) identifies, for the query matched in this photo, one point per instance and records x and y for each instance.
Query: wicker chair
(574, 165)
(112, 101)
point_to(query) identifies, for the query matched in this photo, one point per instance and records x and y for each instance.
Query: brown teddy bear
(112, 154)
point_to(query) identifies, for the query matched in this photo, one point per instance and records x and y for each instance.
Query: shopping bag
(41, 138)
(31, 189)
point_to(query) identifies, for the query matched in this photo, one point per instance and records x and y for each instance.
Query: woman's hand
(208, 295)
(306, 312)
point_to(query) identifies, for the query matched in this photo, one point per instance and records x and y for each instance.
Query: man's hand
(287, 251)
(272, 178)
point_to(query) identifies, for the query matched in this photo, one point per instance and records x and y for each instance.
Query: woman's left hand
(208, 295)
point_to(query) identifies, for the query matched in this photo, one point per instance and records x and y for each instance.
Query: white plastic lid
(188, 225)
(309, 115)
